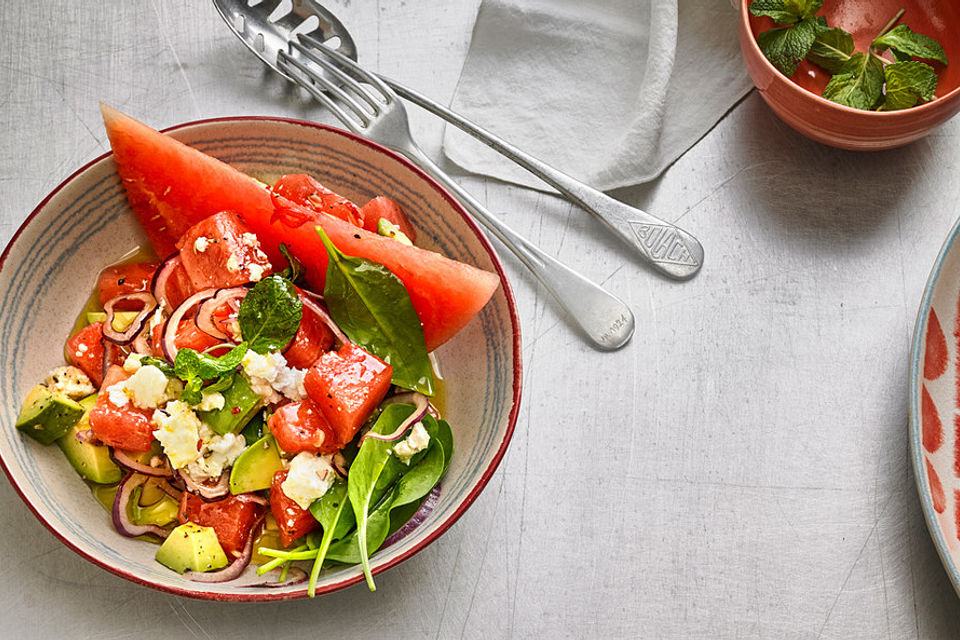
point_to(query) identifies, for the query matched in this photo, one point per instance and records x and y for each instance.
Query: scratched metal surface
(739, 471)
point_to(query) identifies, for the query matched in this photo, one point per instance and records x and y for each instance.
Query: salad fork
(369, 108)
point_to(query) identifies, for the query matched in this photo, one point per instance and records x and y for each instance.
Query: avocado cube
(121, 319)
(240, 404)
(254, 469)
(190, 547)
(91, 461)
(47, 416)
(160, 513)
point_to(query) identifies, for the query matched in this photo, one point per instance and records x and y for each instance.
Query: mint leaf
(192, 391)
(831, 49)
(803, 8)
(194, 368)
(270, 314)
(159, 363)
(786, 11)
(371, 305)
(905, 41)
(859, 83)
(192, 364)
(785, 47)
(908, 83)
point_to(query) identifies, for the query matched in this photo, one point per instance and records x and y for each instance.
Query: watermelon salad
(261, 395)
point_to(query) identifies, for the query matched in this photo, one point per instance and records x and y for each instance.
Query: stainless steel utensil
(368, 107)
(268, 29)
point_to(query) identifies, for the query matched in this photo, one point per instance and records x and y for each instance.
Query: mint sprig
(862, 80)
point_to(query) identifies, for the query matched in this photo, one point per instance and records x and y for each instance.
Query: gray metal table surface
(740, 470)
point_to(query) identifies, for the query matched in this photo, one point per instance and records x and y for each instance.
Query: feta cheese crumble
(233, 265)
(256, 272)
(147, 388)
(211, 402)
(216, 454)
(250, 239)
(309, 477)
(178, 430)
(413, 444)
(132, 363)
(269, 376)
(200, 244)
(70, 381)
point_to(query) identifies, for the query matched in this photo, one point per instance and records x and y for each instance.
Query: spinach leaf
(414, 483)
(906, 42)
(859, 83)
(329, 511)
(831, 49)
(194, 368)
(373, 308)
(395, 499)
(295, 268)
(364, 473)
(785, 47)
(270, 314)
(908, 83)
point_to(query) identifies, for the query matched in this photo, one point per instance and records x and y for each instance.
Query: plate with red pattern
(935, 404)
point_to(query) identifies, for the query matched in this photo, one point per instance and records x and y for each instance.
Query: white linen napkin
(609, 91)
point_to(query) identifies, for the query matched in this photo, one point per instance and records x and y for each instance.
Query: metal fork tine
(358, 72)
(286, 64)
(334, 89)
(344, 77)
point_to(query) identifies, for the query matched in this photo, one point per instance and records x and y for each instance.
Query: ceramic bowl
(49, 268)
(798, 101)
(935, 405)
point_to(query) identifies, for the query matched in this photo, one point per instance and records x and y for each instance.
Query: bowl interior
(864, 19)
(49, 269)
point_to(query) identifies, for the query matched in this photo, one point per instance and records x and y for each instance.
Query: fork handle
(668, 248)
(605, 319)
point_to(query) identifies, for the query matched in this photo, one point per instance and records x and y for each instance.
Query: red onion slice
(295, 575)
(428, 505)
(171, 491)
(141, 344)
(206, 492)
(235, 568)
(121, 521)
(420, 403)
(173, 322)
(206, 309)
(158, 286)
(252, 497)
(121, 458)
(327, 320)
(110, 353)
(227, 346)
(340, 465)
(127, 336)
(87, 436)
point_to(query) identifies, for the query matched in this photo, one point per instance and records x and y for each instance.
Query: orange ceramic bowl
(797, 101)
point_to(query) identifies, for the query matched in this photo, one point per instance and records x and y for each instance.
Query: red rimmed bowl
(49, 268)
(934, 396)
(798, 102)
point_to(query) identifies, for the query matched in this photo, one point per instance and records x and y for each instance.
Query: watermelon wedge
(171, 186)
